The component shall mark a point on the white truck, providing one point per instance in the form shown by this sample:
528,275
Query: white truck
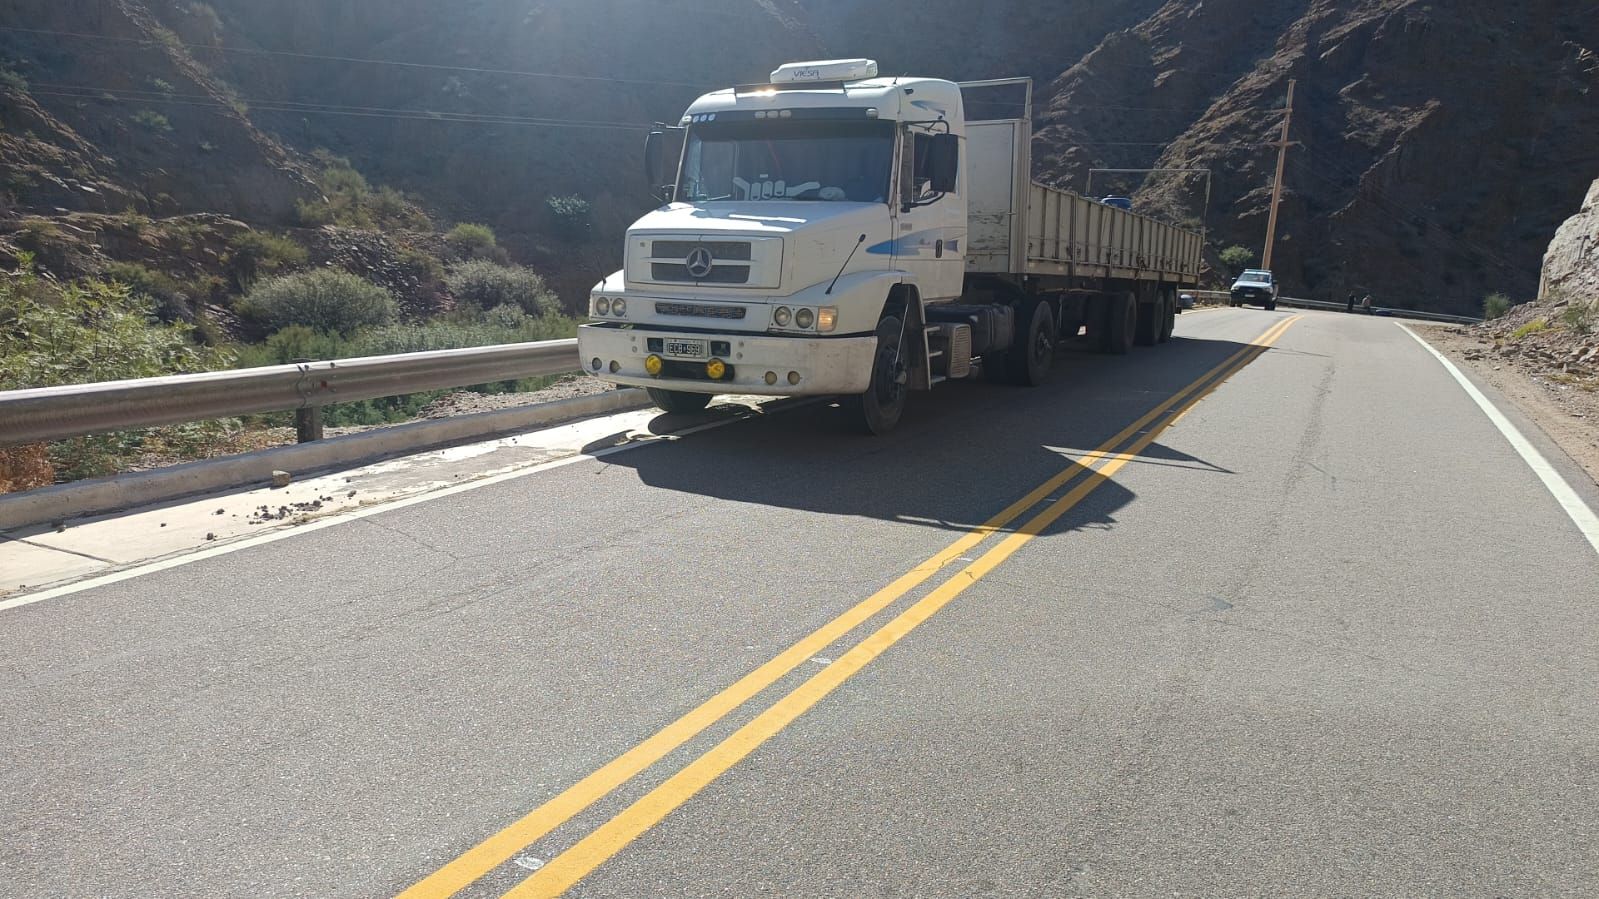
834,232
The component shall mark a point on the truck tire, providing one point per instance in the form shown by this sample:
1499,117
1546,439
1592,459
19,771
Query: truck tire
678,401
1271,305
878,410
1028,360
1121,321
1168,317
1146,330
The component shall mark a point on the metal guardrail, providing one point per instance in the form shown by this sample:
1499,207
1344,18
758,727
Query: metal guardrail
1224,296
78,410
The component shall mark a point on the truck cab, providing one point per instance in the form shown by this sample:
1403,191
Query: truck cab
798,207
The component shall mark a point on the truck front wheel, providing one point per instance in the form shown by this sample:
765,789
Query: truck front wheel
678,401
878,410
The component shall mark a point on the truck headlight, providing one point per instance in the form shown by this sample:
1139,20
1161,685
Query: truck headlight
781,316
804,318
602,306
826,318
619,307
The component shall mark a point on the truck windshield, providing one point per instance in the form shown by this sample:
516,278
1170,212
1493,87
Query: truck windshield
788,160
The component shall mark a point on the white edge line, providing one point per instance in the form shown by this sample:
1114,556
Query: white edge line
1582,516
186,558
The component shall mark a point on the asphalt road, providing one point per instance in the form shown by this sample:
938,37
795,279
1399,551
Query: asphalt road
1326,634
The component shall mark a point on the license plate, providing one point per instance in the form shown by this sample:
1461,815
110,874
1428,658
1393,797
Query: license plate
687,349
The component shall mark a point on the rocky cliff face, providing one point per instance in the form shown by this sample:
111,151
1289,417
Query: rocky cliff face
1571,266
1438,146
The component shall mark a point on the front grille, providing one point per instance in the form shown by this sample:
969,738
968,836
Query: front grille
730,250
719,274
699,310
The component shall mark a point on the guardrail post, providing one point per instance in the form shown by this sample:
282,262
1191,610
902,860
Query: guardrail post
308,423
307,419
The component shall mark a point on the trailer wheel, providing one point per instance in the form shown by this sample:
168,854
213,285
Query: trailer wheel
878,410
1168,318
1121,321
677,401
1028,361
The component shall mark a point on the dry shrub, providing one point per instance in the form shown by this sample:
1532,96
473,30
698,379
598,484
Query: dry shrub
24,468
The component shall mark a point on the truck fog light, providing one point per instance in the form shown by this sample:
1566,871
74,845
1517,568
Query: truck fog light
652,365
793,377
716,369
771,378
826,318
615,366
602,306
619,307
595,363
781,316
804,318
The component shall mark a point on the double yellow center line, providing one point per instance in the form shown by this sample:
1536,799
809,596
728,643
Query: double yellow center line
575,863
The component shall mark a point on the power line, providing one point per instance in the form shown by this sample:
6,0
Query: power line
356,112
150,42
1403,208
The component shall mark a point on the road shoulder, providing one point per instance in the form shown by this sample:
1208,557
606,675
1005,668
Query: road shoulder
1568,414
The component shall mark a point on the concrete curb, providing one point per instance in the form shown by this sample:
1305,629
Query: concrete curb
120,492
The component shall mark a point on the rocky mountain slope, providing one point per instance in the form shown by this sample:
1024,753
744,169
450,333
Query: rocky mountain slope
1439,146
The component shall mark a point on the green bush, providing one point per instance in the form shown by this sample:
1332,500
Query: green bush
1495,305
569,215
1530,328
485,285
93,331
13,80
472,240
152,120
349,200
422,266
256,254
96,331
166,296
327,300
1580,317
1236,259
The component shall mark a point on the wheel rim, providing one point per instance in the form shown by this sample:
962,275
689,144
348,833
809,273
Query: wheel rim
888,388
1043,345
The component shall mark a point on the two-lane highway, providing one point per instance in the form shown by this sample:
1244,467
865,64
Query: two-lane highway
1272,610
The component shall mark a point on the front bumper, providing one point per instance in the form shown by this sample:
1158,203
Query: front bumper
824,366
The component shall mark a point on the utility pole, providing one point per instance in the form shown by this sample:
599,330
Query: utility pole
1277,186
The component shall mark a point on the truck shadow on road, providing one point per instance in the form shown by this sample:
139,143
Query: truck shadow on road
961,454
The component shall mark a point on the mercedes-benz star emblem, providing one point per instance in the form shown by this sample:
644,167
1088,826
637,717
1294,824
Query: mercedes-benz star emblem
699,262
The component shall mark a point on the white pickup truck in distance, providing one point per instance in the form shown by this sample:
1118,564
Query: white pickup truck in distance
832,232
1255,286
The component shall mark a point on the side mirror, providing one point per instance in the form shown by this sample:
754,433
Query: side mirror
654,147
943,162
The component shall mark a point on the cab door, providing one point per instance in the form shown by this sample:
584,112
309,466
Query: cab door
929,228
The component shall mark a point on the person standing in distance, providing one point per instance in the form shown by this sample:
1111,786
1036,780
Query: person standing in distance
1351,307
